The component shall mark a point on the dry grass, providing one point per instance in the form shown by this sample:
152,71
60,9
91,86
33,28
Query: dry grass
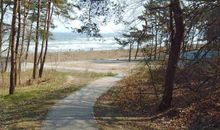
24,80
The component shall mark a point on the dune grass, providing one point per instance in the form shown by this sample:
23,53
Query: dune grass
29,105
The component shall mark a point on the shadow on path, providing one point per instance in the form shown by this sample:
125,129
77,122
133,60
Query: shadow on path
75,112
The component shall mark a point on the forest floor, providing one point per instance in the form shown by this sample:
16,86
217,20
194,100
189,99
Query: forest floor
132,104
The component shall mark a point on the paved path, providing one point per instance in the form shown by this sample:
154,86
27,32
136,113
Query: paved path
75,112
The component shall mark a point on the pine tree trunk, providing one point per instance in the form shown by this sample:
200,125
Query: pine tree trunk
35,68
13,42
138,47
50,13
29,40
130,49
1,27
8,54
3,11
173,55
156,40
18,39
22,42
40,60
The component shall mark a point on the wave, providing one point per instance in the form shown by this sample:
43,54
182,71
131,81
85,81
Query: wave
70,42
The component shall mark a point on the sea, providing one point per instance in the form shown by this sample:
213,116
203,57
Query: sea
69,41
64,42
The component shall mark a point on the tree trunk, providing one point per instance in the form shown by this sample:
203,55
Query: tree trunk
50,14
1,27
13,42
160,46
44,37
129,55
22,41
35,68
156,39
173,55
151,49
3,11
29,40
8,53
18,39
138,46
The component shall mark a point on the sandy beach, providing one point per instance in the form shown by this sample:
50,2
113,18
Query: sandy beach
86,55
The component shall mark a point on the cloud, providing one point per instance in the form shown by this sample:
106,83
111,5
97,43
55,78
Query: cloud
111,27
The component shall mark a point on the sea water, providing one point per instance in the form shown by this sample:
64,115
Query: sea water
60,42
68,41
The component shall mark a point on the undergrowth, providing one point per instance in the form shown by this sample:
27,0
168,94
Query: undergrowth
132,104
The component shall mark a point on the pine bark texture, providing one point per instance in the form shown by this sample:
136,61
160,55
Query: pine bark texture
176,42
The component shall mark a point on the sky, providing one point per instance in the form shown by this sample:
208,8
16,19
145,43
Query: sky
110,27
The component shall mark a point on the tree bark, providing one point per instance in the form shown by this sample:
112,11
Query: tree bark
44,37
35,68
29,39
8,54
138,47
173,54
26,10
18,39
156,39
3,11
1,26
13,42
129,53
50,14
